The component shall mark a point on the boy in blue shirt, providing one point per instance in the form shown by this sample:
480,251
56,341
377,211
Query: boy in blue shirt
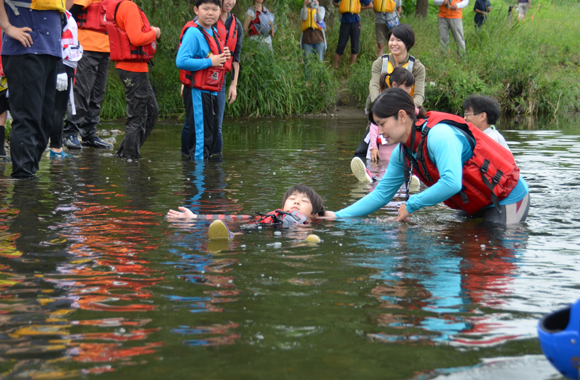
201,57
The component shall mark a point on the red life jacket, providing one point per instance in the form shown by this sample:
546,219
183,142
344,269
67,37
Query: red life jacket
253,31
93,17
208,79
229,38
488,176
283,218
121,47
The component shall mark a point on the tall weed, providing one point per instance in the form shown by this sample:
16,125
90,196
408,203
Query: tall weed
531,67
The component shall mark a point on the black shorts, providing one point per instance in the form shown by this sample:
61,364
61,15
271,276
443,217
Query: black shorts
3,102
346,31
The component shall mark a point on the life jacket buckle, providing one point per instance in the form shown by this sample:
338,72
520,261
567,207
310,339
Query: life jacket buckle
484,167
497,177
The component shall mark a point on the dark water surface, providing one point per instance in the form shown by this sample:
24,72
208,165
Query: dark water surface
94,280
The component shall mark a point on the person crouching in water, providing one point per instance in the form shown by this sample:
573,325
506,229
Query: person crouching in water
300,206
201,59
460,164
133,45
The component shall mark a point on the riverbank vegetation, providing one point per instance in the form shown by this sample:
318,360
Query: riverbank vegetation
531,67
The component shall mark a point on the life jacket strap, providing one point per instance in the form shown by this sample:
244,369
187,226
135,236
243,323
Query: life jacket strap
13,4
490,185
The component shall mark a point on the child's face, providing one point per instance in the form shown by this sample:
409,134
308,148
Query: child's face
299,202
207,14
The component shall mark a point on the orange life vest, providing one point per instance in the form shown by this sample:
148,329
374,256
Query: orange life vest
208,79
488,176
121,47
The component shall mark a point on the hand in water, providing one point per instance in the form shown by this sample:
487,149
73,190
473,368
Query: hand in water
183,215
403,214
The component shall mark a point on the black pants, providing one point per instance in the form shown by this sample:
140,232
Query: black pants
142,112
188,112
347,31
60,108
89,94
202,117
32,83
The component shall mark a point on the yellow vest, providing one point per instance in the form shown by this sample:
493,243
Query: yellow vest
388,68
39,5
310,21
384,6
349,6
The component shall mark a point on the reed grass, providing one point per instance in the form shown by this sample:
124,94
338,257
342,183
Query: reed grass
531,67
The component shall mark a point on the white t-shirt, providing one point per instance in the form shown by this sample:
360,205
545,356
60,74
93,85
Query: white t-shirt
498,137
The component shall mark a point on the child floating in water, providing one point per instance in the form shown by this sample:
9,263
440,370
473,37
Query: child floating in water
300,205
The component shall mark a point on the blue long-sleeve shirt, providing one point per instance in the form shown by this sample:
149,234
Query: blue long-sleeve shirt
448,149
194,51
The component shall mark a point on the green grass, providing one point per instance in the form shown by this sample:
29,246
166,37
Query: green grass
531,67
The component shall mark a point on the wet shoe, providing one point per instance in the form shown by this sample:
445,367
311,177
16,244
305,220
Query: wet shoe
360,171
219,230
5,158
59,155
72,142
95,142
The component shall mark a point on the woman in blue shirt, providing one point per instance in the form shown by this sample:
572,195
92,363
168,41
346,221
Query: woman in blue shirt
449,150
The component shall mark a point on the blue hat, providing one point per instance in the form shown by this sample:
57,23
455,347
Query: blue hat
559,335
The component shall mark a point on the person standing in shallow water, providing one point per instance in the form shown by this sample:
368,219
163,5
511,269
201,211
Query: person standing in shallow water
460,164
201,58
31,51
91,78
133,44
231,32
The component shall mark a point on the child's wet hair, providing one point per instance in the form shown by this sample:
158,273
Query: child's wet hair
315,199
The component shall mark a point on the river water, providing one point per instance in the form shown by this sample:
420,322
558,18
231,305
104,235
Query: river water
95,281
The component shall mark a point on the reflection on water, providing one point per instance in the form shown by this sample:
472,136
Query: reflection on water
94,280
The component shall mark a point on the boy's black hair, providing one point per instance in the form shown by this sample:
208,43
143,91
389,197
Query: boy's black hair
400,75
405,33
315,199
480,103
198,3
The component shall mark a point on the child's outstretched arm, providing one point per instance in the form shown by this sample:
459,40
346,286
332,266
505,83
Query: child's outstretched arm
184,214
